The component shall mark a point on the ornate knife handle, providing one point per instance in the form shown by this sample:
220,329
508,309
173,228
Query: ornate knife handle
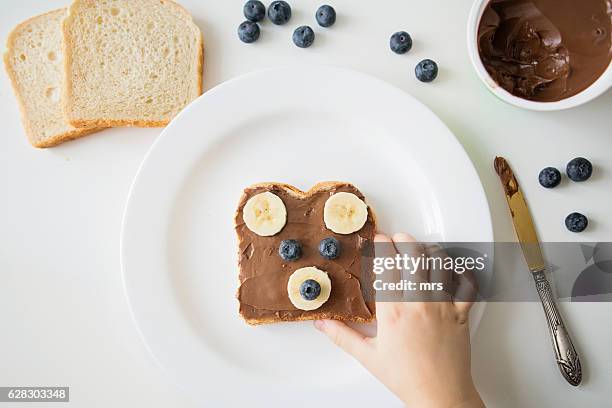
567,358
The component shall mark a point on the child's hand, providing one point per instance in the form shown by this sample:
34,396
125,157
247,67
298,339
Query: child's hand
422,349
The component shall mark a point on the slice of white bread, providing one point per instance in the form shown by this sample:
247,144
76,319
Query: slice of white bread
130,62
34,62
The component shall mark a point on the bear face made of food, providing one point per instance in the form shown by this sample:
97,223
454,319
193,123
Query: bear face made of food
305,255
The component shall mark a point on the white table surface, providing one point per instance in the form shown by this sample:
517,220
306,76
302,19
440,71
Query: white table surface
63,313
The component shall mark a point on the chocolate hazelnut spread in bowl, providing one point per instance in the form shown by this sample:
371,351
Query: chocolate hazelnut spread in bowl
542,54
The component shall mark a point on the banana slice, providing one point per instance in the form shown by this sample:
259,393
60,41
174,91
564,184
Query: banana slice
265,214
345,213
300,288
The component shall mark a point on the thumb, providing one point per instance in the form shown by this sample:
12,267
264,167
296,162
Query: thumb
348,339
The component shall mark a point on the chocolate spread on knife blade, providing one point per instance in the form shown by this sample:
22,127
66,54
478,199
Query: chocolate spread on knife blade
546,50
506,176
264,274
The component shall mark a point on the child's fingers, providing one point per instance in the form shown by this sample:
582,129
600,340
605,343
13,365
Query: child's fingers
408,246
438,274
466,292
385,298
348,339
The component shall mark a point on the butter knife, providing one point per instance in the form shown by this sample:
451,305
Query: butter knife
565,353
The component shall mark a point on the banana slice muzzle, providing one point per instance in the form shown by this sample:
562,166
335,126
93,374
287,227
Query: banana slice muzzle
265,214
345,213
308,288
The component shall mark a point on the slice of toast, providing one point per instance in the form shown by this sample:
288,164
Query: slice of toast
34,62
130,62
264,274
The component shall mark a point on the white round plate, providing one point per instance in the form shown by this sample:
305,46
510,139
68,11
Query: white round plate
298,126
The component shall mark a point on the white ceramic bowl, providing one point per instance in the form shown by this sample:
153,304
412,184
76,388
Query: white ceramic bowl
597,88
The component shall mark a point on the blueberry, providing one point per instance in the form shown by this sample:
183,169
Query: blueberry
400,42
290,250
329,248
426,70
326,16
279,12
576,222
310,289
579,169
254,10
303,36
549,177
248,31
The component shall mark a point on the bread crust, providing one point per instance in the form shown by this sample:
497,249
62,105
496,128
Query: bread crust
66,137
318,316
297,193
105,122
51,140
109,123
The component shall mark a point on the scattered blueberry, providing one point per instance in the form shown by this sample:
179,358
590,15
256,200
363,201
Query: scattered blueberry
329,248
279,12
400,42
579,169
254,10
310,289
550,177
426,70
303,36
576,222
290,250
248,31
326,16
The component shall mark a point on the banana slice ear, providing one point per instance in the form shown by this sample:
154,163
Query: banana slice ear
345,213
265,214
